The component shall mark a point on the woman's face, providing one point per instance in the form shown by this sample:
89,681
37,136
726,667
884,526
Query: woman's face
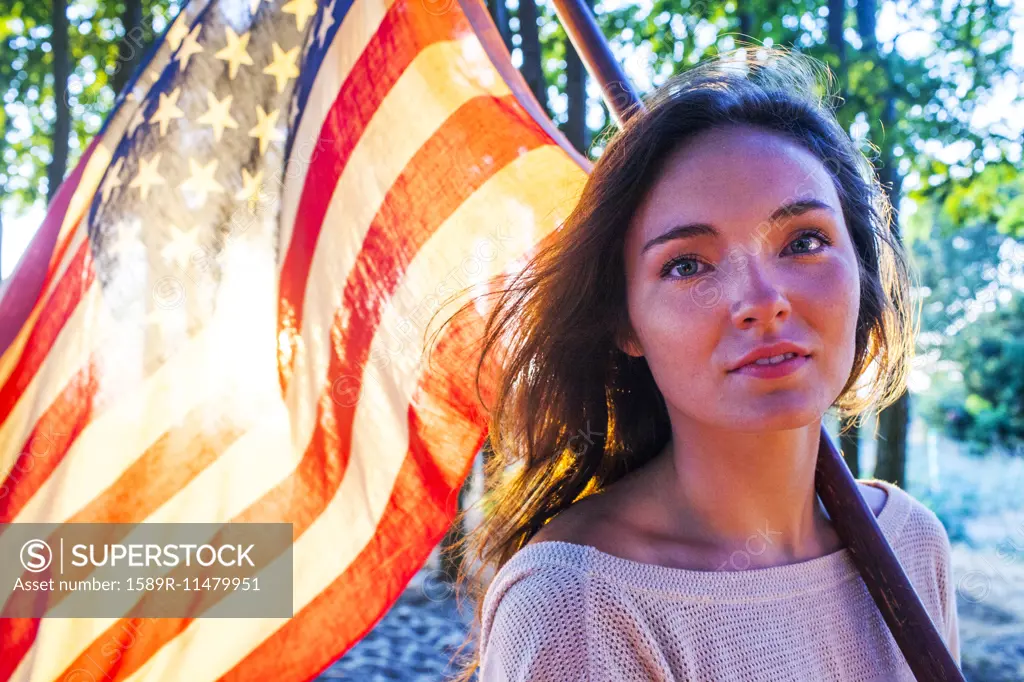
718,268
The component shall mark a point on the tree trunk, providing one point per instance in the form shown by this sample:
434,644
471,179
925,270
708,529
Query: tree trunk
62,125
849,444
531,69
746,17
892,441
866,12
849,441
893,422
132,45
836,41
576,93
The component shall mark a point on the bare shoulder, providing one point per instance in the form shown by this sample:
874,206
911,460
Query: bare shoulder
600,519
578,524
874,496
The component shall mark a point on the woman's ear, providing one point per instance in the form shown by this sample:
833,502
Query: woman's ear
629,345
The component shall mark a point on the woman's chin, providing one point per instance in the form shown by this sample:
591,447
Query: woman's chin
775,418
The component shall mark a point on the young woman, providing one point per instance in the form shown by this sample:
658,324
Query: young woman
728,275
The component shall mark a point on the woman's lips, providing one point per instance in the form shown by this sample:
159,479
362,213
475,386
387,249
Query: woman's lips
784,368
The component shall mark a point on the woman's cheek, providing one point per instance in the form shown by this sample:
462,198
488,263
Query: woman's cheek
677,334
677,308
843,287
705,293
838,303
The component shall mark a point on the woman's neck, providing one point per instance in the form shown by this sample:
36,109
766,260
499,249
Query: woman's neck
742,495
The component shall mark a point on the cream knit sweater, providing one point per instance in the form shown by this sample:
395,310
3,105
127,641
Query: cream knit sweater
559,611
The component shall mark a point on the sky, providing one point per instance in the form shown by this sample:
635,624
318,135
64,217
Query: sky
1005,104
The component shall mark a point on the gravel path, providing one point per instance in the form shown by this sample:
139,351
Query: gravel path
990,604
414,642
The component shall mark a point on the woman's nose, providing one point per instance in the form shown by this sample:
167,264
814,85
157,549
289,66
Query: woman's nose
757,298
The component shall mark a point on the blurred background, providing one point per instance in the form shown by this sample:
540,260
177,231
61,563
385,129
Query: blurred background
932,91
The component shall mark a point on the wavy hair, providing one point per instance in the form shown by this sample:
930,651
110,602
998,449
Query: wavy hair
572,413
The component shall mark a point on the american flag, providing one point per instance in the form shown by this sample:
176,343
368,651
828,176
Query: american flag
224,316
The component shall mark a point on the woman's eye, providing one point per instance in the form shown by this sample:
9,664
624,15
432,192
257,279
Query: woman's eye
800,242
682,267
687,267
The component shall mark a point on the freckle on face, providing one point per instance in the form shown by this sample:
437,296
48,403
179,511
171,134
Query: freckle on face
751,286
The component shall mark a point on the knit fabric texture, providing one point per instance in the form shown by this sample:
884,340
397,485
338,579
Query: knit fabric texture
563,611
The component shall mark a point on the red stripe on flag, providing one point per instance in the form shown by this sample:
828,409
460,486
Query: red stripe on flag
55,313
479,17
468,149
35,268
406,29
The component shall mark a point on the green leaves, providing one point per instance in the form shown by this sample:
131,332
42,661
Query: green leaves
26,84
972,328
993,197
911,100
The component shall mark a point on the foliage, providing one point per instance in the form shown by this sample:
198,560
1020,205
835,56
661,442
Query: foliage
972,491
993,196
25,75
989,409
97,48
972,330
933,92
954,506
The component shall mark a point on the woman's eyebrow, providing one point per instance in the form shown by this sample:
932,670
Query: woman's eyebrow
787,210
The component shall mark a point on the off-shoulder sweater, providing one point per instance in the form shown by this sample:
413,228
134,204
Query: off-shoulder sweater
560,611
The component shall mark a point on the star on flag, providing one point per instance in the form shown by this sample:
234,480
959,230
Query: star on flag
167,110
234,53
283,68
148,176
218,115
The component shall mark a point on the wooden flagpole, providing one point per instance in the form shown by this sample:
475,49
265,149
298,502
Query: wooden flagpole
596,55
901,607
888,584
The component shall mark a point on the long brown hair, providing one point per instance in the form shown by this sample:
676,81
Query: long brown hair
572,413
